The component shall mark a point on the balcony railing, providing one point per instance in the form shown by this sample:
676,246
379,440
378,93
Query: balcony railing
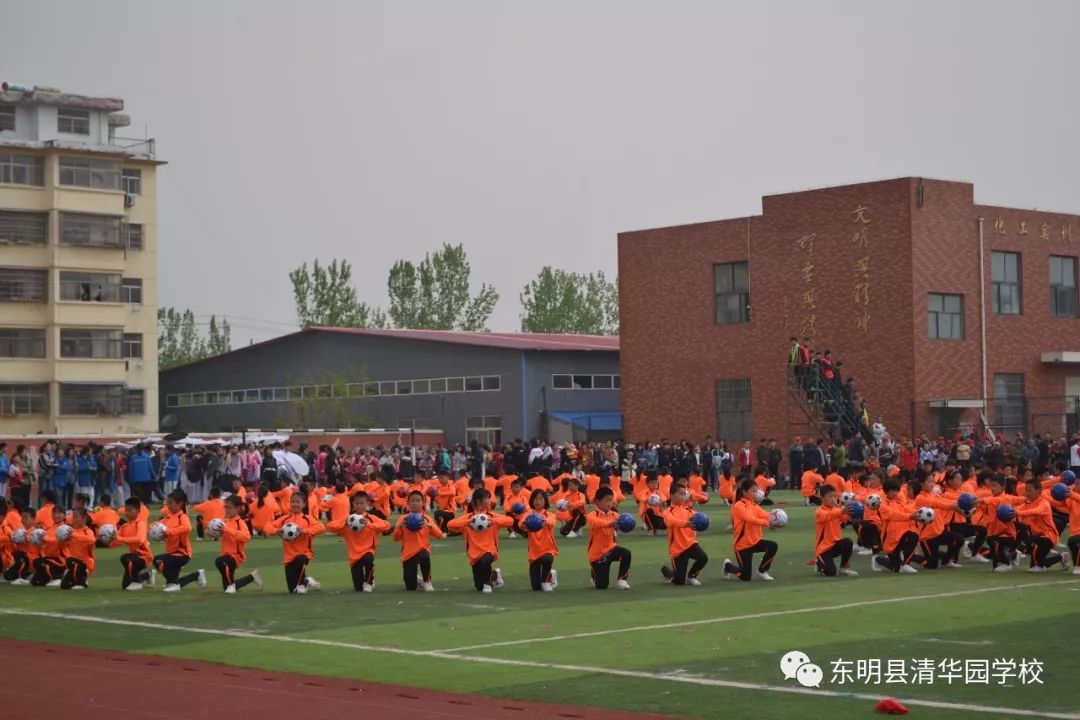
135,146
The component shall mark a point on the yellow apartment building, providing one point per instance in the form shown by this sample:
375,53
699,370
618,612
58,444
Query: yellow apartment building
78,266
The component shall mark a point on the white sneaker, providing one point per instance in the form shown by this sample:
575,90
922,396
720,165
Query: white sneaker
1076,570
952,565
592,581
863,551
498,578
982,560
554,578
134,587
300,590
427,587
966,551
875,565
172,587
1003,568
908,570
53,583
1036,569
256,579
78,587
546,587
231,590
513,535
367,587
572,534
486,589
153,577
724,574
693,581
848,572
622,584
21,582
313,584
765,576
201,579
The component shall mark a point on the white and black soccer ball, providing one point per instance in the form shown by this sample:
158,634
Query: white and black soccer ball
480,522
327,498
873,501
925,515
215,527
107,533
562,506
37,537
759,495
289,531
778,518
655,500
157,531
63,532
18,536
356,522
846,497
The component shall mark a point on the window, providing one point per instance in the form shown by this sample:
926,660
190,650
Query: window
89,172
585,382
485,429
24,228
281,394
734,416
131,290
371,389
76,122
18,343
22,169
946,316
296,393
23,285
421,387
96,344
1010,403
1062,286
89,287
183,400
404,387
455,385
132,345
414,423
473,384
616,381
90,230
133,236
1005,274
492,382
582,382
438,385
562,382
79,399
135,402
7,117
172,400
24,399
266,395
387,388
251,395
732,282
131,181
602,382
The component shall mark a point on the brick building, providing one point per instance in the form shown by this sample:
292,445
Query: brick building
885,274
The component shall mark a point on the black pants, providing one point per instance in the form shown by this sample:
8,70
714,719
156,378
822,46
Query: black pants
1061,521
576,521
144,491
420,561
901,554
363,571
226,565
826,561
296,572
653,521
977,533
869,536
1002,549
601,568
170,565
20,567
931,548
76,573
689,563
746,559
200,527
134,570
1040,548
482,574
540,570
442,517
1074,549
46,570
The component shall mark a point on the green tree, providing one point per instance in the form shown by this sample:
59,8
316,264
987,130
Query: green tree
557,301
179,340
435,293
325,296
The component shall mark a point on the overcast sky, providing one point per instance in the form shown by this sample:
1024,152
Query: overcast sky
533,133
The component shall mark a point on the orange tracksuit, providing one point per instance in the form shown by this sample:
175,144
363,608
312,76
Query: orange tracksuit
302,546
810,482
262,518
234,538
826,529
542,542
480,542
601,533
337,507
727,488
212,509
44,516
522,496
359,544
414,542
80,546
681,537
105,516
896,521
539,482
576,501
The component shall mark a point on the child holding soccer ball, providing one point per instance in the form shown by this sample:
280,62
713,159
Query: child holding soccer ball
415,538
539,524
361,531
481,530
687,557
234,533
748,520
603,550
297,530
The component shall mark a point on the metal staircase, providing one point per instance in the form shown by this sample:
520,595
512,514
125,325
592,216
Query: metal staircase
819,406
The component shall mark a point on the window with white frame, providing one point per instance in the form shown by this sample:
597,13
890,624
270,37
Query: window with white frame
1063,286
75,122
23,228
93,344
92,399
133,236
484,429
24,399
87,230
133,345
22,169
22,343
7,117
131,181
131,290
584,382
89,172
90,287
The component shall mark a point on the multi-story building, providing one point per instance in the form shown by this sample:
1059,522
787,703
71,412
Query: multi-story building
946,313
78,266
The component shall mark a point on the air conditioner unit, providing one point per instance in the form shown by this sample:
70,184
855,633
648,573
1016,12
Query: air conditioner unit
129,200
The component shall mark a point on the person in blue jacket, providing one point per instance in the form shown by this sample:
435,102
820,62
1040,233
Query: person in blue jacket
63,483
141,474
171,473
86,472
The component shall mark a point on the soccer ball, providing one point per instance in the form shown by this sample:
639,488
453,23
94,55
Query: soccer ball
1060,491
925,515
215,527
759,495
356,522
37,537
480,522
655,500
854,509
936,490
327,498
403,493
699,521
63,532
289,531
562,506
433,492
18,536
1068,477
625,523
533,522
517,508
873,501
415,521
157,531
846,497
778,518
966,502
1006,513
106,533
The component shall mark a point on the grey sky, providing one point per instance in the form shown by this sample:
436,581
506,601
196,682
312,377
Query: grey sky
533,133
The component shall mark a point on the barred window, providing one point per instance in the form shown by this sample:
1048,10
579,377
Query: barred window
22,343
1010,403
23,285
91,230
734,416
89,172
94,344
76,122
89,287
22,169
135,402
92,399
24,228
24,399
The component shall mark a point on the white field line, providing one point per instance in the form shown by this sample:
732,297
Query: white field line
755,616
637,674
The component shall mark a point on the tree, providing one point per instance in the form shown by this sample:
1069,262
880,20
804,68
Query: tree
558,301
325,296
179,340
435,295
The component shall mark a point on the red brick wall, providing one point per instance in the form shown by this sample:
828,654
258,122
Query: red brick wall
672,352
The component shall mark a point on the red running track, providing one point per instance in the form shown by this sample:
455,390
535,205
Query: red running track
60,681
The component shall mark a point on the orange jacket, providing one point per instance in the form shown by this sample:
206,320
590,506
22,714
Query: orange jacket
337,507
234,538
994,526
53,549
642,496
104,516
303,545
1071,507
480,542
943,510
680,536
212,509
521,497
826,528
379,495
359,544
810,481
44,516
1039,519
539,482
413,542
592,484
178,535
747,520
727,487
576,500
836,481
542,542
262,518
665,483
80,546
133,535
447,496
896,521
601,533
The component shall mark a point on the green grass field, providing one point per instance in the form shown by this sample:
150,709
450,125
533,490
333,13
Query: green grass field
699,664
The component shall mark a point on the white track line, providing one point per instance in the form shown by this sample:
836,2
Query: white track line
637,674
754,616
